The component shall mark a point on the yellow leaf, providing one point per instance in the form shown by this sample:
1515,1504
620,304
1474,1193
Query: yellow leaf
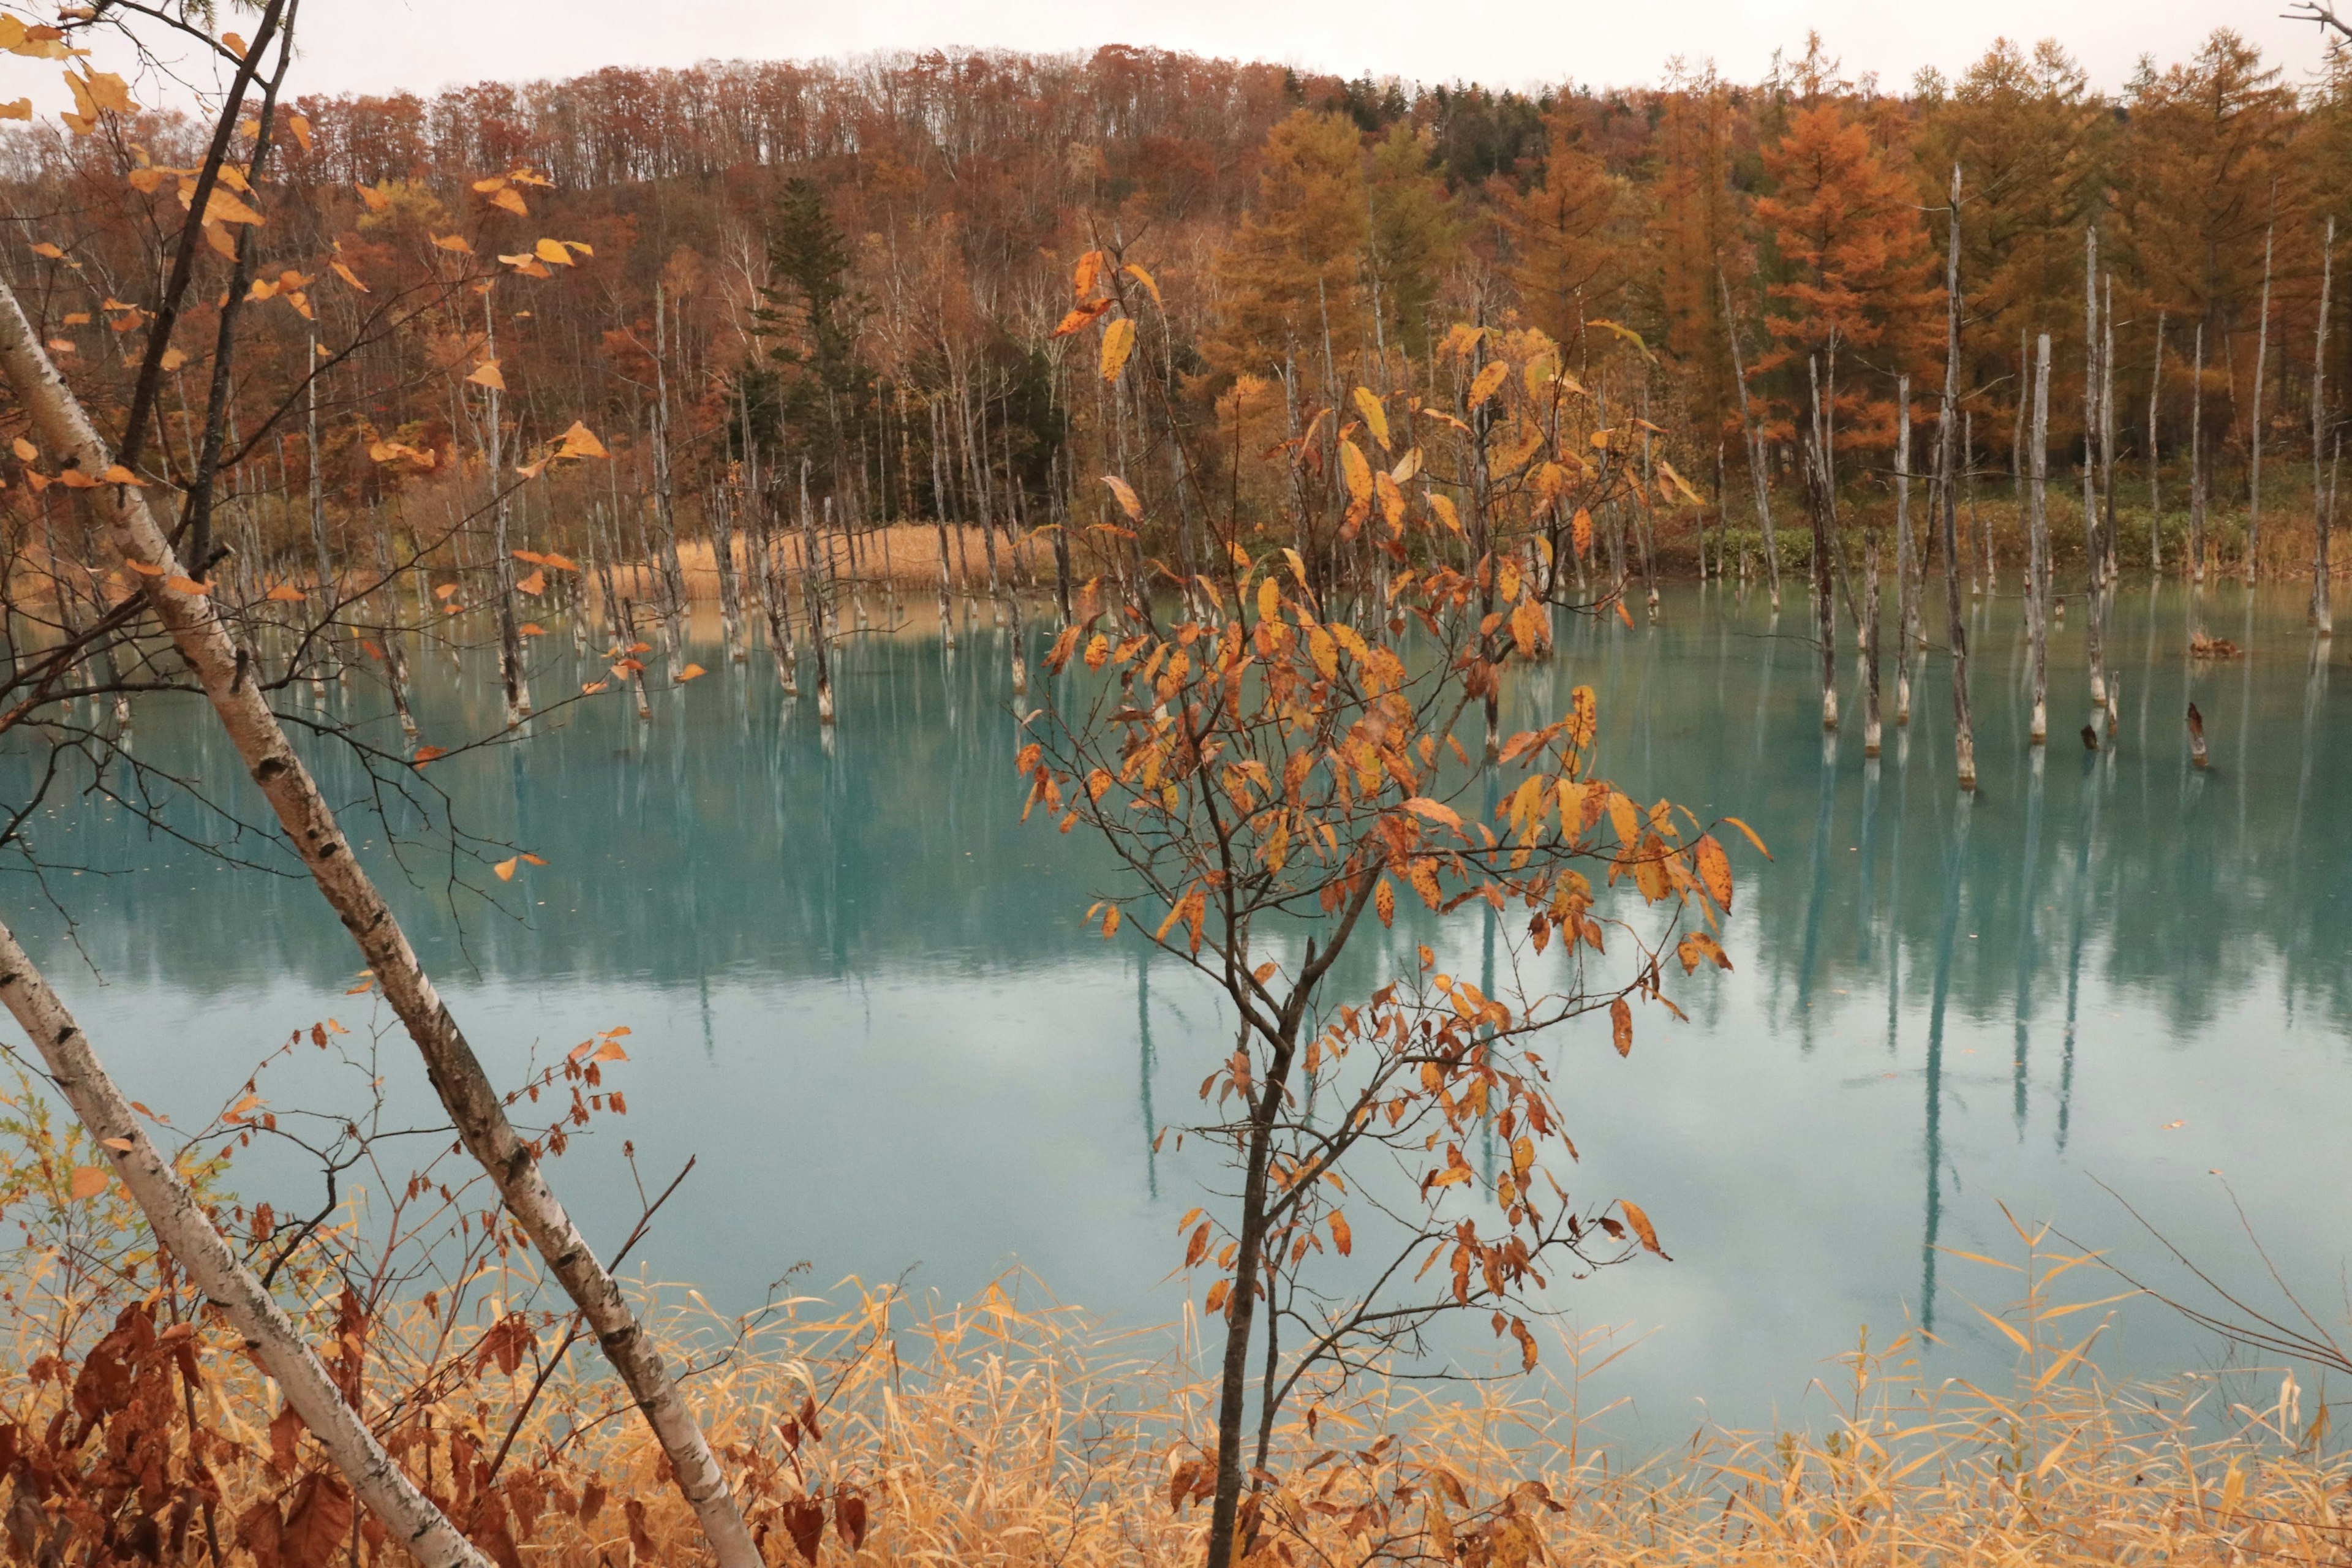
347,275
1140,276
112,93
456,242
580,442
506,869
1714,869
288,593
223,206
50,250
1679,483
20,109
24,450
376,198
1376,418
1357,470
511,200
1434,811
300,126
1641,1225
486,374
553,250
1129,502
188,586
689,672
1621,1026
234,43
88,1182
535,584
1751,836
174,358
1489,380
1118,341
116,474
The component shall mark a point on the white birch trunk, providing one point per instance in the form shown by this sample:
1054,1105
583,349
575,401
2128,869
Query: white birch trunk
181,1226
475,1107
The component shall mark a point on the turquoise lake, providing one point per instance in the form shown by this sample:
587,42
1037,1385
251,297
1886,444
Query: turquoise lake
861,995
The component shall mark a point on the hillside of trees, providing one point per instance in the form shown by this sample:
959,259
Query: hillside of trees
861,268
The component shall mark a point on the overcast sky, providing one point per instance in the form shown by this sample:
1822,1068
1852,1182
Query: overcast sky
382,46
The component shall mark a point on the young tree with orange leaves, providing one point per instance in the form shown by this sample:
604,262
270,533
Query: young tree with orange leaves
1274,776
1850,272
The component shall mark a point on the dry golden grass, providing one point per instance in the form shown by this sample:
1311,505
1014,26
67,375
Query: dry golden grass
904,555
1016,1432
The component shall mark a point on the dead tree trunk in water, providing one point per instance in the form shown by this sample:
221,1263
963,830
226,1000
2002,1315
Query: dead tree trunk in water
2155,504
1964,739
1906,598
2262,358
2321,618
812,605
2197,464
2037,569
2094,554
1821,492
1754,435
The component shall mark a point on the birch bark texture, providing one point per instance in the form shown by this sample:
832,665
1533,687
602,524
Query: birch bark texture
465,1089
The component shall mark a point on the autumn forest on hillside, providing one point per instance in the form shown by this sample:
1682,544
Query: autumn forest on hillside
1293,574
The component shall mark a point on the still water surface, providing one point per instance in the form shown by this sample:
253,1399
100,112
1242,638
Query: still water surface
861,995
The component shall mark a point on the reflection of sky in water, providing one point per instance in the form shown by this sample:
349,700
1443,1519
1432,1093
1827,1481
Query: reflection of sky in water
860,993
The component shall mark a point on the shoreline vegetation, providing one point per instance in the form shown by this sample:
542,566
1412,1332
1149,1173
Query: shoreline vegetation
1014,1430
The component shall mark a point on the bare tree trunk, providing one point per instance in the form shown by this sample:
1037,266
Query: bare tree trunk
473,1103
730,594
1755,442
1964,737
2321,616
673,576
2155,503
1868,639
2320,608
513,684
2262,357
1823,486
1906,597
2197,464
180,1226
2093,554
940,517
319,520
2038,561
812,603
395,650
2107,433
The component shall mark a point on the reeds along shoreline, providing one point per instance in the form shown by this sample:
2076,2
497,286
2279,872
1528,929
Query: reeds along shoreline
1012,1430
904,557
